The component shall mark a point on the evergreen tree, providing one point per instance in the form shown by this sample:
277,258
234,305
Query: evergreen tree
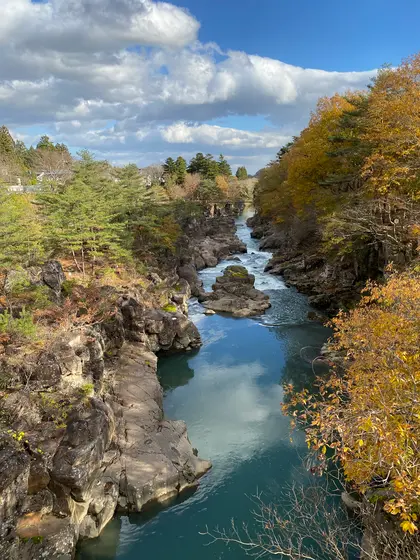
45,143
180,170
242,173
224,167
197,164
80,218
20,231
211,167
7,144
169,167
208,191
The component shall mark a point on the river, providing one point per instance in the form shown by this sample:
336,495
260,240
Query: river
229,393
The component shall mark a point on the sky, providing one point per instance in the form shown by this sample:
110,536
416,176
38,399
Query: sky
139,81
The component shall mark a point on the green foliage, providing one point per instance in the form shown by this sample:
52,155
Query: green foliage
205,166
208,192
224,167
241,173
67,287
20,230
80,219
54,408
7,144
180,170
22,327
45,143
170,308
87,389
169,166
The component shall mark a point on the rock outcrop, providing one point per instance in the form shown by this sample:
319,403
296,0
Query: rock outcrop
88,436
205,244
331,282
234,293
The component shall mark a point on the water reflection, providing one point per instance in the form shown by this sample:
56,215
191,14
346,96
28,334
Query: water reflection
229,394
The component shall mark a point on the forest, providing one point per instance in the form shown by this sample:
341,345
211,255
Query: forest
107,224
349,187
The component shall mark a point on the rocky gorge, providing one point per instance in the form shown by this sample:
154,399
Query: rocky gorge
104,445
331,282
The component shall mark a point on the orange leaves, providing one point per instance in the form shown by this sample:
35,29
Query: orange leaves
393,130
372,421
222,183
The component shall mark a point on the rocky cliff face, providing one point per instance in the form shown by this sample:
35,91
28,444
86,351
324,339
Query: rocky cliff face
331,281
205,243
110,450
87,432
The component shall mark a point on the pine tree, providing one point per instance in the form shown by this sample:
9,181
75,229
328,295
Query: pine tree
242,173
180,170
7,144
224,167
80,217
197,164
169,166
45,143
21,232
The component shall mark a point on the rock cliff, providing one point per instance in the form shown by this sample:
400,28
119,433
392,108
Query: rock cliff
86,432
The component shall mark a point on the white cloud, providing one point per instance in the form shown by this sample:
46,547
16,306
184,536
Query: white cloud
92,25
75,66
211,135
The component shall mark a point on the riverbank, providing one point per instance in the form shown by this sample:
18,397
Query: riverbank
229,394
331,284
85,435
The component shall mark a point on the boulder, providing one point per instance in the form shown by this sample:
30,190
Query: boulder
189,273
14,473
53,276
234,293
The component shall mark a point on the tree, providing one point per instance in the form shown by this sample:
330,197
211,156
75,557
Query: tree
241,173
11,162
366,416
21,233
80,218
222,184
224,167
208,192
7,144
169,167
180,170
45,143
197,164
204,165
393,130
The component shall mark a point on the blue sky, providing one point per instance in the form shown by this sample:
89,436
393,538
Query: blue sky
327,34
138,80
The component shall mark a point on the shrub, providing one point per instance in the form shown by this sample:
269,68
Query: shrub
20,327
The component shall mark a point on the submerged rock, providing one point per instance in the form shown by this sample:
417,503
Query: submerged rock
234,293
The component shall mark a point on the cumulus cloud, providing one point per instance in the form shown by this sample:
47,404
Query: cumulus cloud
211,135
132,72
92,25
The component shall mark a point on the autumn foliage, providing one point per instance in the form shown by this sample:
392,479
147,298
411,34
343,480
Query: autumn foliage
354,175
367,414
358,158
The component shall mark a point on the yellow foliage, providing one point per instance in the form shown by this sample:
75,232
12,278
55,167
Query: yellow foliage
393,130
222,183
370,414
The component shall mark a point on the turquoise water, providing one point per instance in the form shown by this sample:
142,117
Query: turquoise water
229,393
